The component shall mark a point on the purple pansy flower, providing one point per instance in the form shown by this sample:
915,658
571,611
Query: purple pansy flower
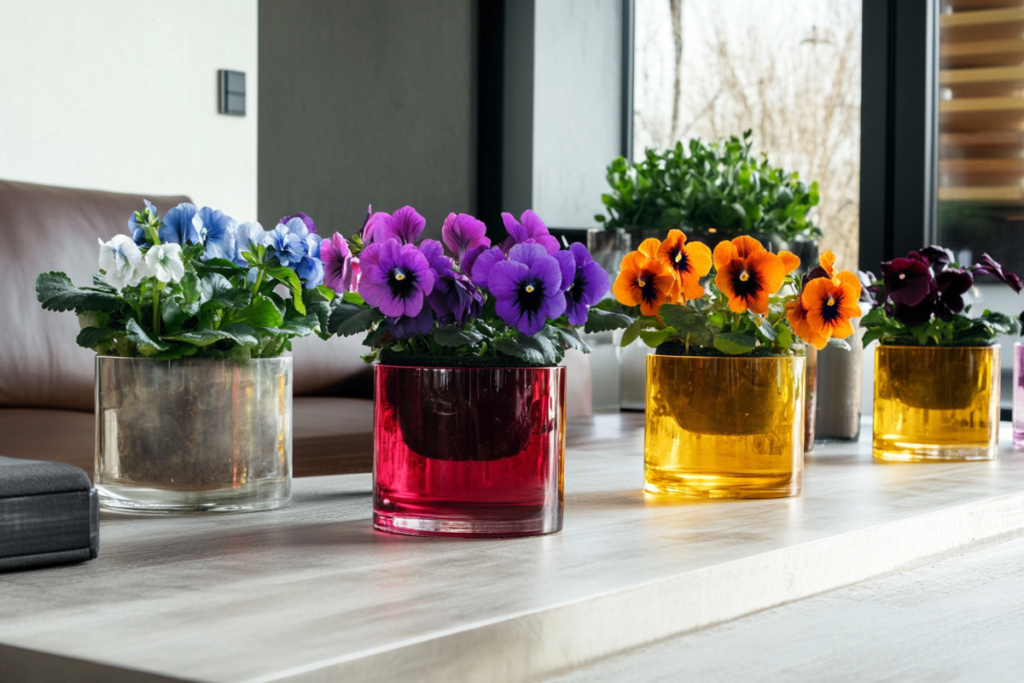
218,233
531,229
952,283
908,280
405,225
988,266
395,278
405,326
306,220
455,299
463,232
587,286
339,273
467,261
527,288
182,225
482,265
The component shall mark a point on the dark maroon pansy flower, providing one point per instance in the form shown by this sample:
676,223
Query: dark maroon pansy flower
908,280
952,283
988,266
938,257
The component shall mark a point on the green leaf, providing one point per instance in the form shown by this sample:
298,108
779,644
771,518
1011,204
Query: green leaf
359,321
534,350
206,337
95,338
735,343
190,290
451,336
216,288
138,336
260,313
655,338
56,292
353,298
174,315
605,321
290,279
177,351
566,337
300,327
326,292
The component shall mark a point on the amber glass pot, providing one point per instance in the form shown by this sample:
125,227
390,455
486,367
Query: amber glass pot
936,403
724,427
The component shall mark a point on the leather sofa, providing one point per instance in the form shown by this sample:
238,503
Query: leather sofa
46,380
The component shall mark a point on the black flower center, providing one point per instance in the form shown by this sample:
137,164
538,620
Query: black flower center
680,261
648,292
579,285
530,296
830,309
745,282
401,282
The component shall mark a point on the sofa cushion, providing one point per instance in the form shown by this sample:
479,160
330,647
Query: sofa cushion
329,435
44,229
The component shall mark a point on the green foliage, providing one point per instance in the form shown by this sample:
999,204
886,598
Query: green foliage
961,330
720,185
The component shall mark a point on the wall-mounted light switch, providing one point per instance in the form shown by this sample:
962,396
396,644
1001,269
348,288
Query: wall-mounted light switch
232,92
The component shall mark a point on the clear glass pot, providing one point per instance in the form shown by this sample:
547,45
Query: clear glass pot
936,403
1018,395
468,451
193,435
724,427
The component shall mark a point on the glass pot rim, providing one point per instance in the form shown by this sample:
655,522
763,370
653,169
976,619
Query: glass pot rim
193,360
471,368
729,358
941,348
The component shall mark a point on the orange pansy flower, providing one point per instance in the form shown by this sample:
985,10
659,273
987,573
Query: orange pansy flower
796,314
827,261
649,247
688,262
747,274
643,281
830,304
790,261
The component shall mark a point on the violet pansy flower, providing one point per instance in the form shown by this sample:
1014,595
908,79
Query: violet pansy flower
988,266
182,225
482,265
530,229
908,280
527,288
339,273
405,225
454,299
218,234
588,285
395,278
406,326
462,232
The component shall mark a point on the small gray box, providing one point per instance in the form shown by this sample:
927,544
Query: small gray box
231,86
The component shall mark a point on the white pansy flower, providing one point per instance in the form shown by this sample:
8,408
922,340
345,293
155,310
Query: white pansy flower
164,262
121,261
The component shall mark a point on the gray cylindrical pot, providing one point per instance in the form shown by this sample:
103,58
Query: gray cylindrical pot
839,389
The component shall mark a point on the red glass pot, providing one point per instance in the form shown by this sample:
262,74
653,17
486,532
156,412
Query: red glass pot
468,451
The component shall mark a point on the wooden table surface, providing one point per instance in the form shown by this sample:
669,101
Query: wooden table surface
312,593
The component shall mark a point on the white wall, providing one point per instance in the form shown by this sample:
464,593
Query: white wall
577,115
121,95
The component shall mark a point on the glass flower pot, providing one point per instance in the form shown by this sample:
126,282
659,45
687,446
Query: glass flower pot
193,435
1018,395
468,451
724,427
936,403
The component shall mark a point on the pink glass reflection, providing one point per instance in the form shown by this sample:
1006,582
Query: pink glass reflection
1018,395
468,451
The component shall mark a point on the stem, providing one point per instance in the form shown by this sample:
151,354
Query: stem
156,308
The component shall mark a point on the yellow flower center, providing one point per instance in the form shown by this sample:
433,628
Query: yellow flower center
679,257
831,301
744,276
641,283
903,276
529,289
399,276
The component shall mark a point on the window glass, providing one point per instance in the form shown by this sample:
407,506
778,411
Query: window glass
789,70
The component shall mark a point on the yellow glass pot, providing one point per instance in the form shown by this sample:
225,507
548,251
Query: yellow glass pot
936,403
724,427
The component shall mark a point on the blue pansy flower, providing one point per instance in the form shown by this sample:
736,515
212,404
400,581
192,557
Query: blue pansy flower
247,237
182,225
135,229
218,234
289,247
311,270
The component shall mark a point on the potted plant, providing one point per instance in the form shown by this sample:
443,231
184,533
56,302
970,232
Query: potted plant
469,423
193,391
936,368
725,386
713,191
